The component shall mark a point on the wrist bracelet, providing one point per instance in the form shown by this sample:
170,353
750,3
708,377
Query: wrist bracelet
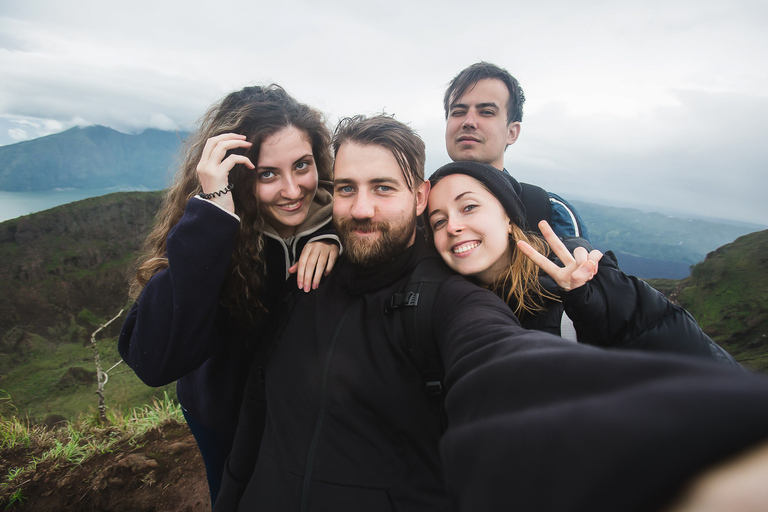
221,192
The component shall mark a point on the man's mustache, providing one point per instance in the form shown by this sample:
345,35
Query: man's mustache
363,225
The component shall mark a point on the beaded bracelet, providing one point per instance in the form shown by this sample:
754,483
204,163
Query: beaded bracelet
221,192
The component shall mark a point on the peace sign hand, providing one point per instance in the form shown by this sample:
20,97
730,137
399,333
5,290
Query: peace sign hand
214,166
579,268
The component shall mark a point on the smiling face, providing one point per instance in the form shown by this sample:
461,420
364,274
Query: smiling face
470,228
374,210
286,180
476,128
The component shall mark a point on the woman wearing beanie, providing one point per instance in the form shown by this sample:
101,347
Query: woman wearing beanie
477,223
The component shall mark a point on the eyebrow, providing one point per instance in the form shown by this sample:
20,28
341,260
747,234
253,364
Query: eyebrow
273,168
433,212
487,104
375,181
437,210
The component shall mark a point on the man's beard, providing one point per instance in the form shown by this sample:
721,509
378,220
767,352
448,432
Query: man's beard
394,238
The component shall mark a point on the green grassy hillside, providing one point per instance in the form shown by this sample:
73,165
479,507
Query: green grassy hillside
64,272
728,294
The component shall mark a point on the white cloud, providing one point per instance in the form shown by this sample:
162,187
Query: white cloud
17,134
647,101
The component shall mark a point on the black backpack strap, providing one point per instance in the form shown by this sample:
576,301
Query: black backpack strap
537,206
415,305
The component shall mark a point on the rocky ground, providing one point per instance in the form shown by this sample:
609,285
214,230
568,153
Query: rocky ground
161,472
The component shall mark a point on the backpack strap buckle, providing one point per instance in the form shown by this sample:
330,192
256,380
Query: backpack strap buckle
434,388
402,300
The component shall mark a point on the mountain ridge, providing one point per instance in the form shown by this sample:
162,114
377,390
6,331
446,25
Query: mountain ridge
90,157
657,245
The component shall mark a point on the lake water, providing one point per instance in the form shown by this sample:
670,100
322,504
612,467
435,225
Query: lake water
16,204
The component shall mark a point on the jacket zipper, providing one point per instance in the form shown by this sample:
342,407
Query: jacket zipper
321,415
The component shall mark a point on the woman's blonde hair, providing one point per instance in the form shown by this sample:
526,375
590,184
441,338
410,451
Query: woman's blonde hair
520,283
256,112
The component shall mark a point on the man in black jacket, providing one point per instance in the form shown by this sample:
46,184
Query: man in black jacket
534,423
483,117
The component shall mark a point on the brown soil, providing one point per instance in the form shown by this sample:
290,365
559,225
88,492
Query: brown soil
163,471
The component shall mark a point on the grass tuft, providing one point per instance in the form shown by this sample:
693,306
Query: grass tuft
76,441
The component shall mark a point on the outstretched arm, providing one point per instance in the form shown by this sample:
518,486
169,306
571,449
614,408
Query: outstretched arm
537,423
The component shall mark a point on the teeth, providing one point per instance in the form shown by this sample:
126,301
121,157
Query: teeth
466,247
292,205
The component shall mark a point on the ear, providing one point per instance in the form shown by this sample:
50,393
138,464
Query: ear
513,132
510,225
422,195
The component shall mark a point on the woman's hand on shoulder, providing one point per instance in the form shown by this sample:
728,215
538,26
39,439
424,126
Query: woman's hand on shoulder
317,260
214,166
579,268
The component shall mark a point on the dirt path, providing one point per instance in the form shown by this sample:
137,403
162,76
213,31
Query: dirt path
163,472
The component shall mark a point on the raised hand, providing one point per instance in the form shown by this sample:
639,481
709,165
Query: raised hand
214,166
317,260
579,268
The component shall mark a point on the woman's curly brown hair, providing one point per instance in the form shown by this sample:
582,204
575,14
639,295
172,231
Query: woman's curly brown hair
256,112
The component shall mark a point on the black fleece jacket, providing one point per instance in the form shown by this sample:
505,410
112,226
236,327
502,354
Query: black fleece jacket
534,422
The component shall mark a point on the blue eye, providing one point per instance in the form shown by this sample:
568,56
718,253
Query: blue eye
437,224
265,175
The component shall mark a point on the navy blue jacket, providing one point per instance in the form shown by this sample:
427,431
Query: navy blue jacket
179,331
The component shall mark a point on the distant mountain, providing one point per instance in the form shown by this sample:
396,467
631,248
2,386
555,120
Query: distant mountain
727,293
90,158
654,245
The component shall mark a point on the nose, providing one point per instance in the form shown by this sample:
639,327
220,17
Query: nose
291,188
470,122
362,207
453,226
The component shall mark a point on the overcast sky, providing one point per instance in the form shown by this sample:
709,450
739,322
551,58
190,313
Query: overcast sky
659,104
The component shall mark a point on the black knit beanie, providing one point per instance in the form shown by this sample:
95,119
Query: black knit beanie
503,186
